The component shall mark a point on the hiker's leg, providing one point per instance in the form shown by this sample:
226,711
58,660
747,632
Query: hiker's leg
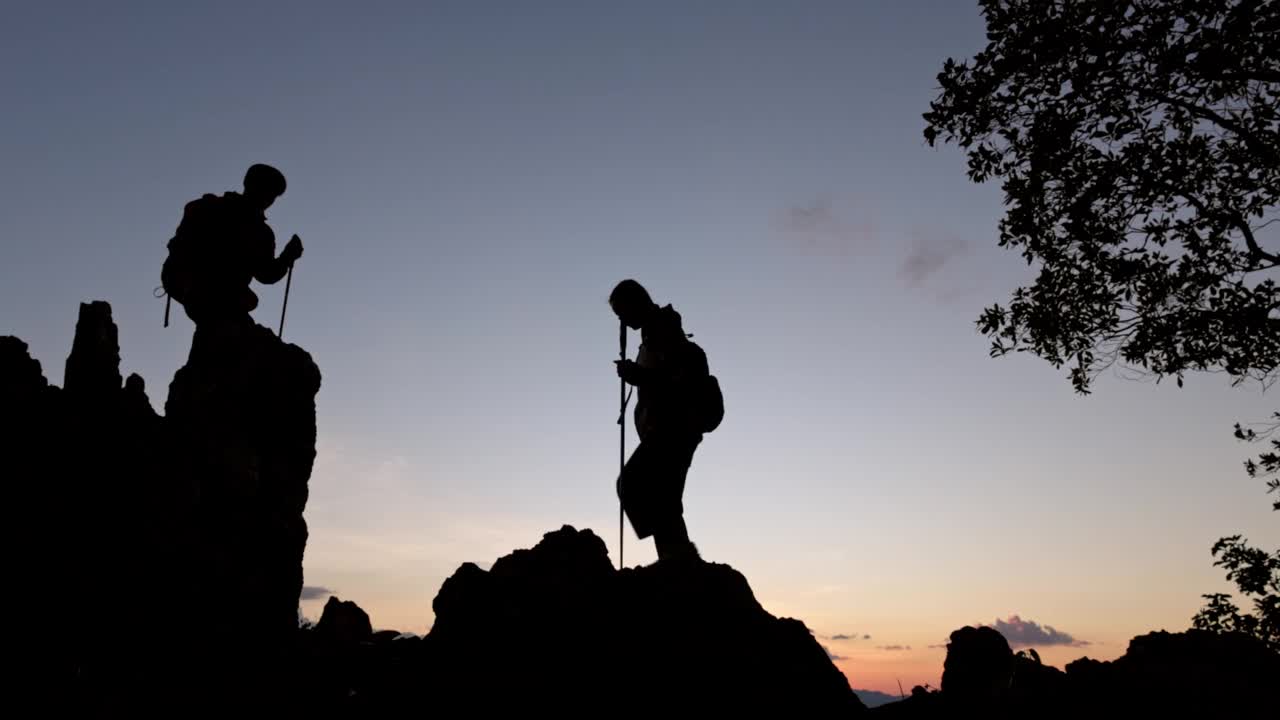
673,543
672,540
671,537
635,490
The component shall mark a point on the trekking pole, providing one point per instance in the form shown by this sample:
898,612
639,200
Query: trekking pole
622,433
288,281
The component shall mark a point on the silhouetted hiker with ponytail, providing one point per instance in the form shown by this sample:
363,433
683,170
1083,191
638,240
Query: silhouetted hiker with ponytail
678,402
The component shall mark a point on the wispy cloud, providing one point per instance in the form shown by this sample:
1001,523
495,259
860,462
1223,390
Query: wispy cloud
816,227
813,218
1025,633
927,256
893,648
315,592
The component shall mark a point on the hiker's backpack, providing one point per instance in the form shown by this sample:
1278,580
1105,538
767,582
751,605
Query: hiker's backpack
711,404
196,235
708,400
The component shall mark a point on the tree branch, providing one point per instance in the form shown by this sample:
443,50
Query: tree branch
1259,268
1205,113
1249,74
1255,251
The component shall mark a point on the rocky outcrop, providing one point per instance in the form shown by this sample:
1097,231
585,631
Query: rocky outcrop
87,493
1196,672
243,411
184,536
38,601
979,665
93,367
159,566
556,628
21,379
161,547
343,623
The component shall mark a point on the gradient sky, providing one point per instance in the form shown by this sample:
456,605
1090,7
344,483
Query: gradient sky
471,179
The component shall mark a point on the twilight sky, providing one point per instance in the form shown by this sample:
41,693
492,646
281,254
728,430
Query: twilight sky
470,180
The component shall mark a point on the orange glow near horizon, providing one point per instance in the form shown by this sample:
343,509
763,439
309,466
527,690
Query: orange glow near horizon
883,671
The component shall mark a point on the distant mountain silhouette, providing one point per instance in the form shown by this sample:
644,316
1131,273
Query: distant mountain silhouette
1188,674
875,698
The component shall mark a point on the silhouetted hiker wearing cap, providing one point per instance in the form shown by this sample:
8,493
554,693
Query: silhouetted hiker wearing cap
222,244
678,402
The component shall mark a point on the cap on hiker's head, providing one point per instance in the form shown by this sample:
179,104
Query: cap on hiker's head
264,179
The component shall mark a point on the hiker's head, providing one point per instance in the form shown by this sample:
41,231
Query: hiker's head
263,184
631,303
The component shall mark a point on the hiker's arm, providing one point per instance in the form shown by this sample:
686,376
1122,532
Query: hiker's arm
680,363
270,272
272,269
635,374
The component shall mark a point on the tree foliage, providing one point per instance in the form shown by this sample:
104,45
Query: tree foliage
1137,143
1267,464
1257,576
1138,146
